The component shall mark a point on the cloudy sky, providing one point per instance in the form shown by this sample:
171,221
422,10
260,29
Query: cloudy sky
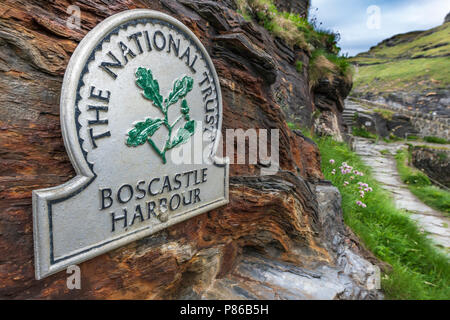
364,23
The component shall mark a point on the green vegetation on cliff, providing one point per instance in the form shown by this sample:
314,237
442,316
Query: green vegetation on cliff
418,270
412,61
296,30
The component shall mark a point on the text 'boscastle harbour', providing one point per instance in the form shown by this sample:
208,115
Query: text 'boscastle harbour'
152,198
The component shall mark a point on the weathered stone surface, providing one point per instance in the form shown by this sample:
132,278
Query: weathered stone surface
329,124
296,6
329,92
398,124
275,217
401,126
372,122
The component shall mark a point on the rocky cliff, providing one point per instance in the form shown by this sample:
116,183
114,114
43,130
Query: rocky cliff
281,236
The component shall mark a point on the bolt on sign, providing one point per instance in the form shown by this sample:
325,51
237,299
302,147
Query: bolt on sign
139,90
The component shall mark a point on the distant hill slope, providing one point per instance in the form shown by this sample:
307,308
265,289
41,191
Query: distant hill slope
410,69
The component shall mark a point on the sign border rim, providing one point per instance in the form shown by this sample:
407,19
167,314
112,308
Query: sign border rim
42,199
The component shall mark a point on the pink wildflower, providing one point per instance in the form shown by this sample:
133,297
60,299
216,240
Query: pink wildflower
361,204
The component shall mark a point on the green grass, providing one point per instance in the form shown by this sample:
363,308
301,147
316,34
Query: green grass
418,270
340,61
361,132
296,31
404,74
299,66
386,114
292,28
420,185
436,140
442,156
392,138
427,146
432,43
412,138
293,126
412,62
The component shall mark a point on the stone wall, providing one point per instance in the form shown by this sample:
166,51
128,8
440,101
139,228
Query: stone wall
276,217
434,162
424,124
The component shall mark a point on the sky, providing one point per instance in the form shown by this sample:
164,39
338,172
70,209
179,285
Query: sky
364,23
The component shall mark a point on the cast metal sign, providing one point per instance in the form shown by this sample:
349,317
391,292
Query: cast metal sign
140,94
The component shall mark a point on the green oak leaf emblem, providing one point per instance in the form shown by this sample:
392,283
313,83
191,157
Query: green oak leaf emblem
144,130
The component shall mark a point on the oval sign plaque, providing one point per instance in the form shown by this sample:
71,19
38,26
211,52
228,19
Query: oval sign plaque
141,115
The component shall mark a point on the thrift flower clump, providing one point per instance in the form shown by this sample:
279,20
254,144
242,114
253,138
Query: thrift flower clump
360,187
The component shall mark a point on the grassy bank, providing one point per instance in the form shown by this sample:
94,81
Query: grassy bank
418,270
403,75
407,62
421,186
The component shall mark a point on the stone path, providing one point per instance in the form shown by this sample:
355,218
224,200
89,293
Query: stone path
385,171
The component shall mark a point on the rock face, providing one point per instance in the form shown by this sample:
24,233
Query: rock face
434,162
289,224
398,121
329,92
296,6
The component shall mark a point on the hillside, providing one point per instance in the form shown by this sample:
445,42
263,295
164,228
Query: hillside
409,69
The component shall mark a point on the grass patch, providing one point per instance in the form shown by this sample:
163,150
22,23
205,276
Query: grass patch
442,156
292,28
425,146
296,31
394,75
419,271
410,62
412,138
420,185
435,140
318,67
386,114
392,138
433,196
293,126
412,45
361,132
299,66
